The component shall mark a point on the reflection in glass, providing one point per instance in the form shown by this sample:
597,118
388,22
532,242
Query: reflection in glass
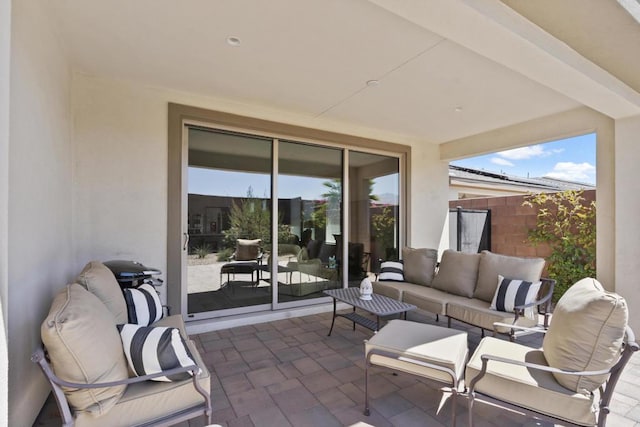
309,204
374,182
229,220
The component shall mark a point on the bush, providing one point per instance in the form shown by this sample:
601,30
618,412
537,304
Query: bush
225,254
567,223
202,251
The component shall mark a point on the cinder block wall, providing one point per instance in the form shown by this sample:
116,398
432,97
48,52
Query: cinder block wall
510,223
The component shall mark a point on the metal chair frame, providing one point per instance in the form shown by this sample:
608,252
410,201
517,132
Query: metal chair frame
204,409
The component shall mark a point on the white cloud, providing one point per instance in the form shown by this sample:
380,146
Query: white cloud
525,153
502,162
569,171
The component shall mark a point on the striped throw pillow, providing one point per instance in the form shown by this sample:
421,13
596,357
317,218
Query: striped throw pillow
511,293
391,271
150,350
143,305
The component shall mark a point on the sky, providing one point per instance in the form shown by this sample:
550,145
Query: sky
235,184
571,159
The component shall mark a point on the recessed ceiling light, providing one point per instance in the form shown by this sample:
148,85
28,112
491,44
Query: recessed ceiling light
373,82
233,41
458,109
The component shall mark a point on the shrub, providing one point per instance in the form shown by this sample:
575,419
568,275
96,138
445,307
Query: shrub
567,223
202,250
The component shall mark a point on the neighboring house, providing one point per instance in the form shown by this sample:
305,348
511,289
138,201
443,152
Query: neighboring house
468,183
99,101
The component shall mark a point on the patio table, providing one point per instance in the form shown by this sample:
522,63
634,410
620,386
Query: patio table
379,305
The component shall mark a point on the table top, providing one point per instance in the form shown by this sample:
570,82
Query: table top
378,304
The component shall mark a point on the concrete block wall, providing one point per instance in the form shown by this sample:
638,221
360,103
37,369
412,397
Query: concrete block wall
510,223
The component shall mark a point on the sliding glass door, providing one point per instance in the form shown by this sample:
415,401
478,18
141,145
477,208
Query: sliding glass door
374,195
271,223
310,220
229,220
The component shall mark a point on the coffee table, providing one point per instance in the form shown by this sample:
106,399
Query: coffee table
379,305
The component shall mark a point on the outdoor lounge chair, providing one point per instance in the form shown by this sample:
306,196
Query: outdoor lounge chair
572,377
246,259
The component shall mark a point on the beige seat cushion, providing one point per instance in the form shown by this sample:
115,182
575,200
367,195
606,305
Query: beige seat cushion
101,282
533,389
84,345
477,312
429,299
586,333
432,344
491,265
458,273
149,400
393,290
419,265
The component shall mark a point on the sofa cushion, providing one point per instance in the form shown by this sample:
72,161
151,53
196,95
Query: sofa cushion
491,265
512,292
150,350
101,282
145,402
392,271
477,312
419,265
526,387
586,333
143,305
392,289
457,273
429,299
84,346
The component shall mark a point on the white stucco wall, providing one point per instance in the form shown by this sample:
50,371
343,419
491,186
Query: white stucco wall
40,205
5,61
430,198
120,137
627,243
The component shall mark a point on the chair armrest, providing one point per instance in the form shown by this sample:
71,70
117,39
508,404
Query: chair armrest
545,298
489,357
519,327
39,358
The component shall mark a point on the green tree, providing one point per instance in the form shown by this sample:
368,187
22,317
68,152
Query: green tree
384,227
250,218
567,223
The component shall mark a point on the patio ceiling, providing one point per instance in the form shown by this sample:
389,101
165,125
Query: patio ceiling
445,69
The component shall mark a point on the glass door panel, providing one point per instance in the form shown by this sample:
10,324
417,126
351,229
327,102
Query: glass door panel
310,219
374,195
229,220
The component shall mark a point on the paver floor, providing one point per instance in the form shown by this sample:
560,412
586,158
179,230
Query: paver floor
290,373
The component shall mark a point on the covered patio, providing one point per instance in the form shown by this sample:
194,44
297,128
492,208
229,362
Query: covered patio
89,159
290,373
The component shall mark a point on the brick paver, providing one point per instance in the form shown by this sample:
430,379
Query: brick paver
290,373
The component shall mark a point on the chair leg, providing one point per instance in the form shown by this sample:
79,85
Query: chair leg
448,322
366,390
471,395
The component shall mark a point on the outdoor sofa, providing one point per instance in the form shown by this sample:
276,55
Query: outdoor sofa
463,287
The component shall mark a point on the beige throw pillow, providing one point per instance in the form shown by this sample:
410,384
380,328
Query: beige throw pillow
100,281
84,346
585,334
247,250
419,265
457,273
491,265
